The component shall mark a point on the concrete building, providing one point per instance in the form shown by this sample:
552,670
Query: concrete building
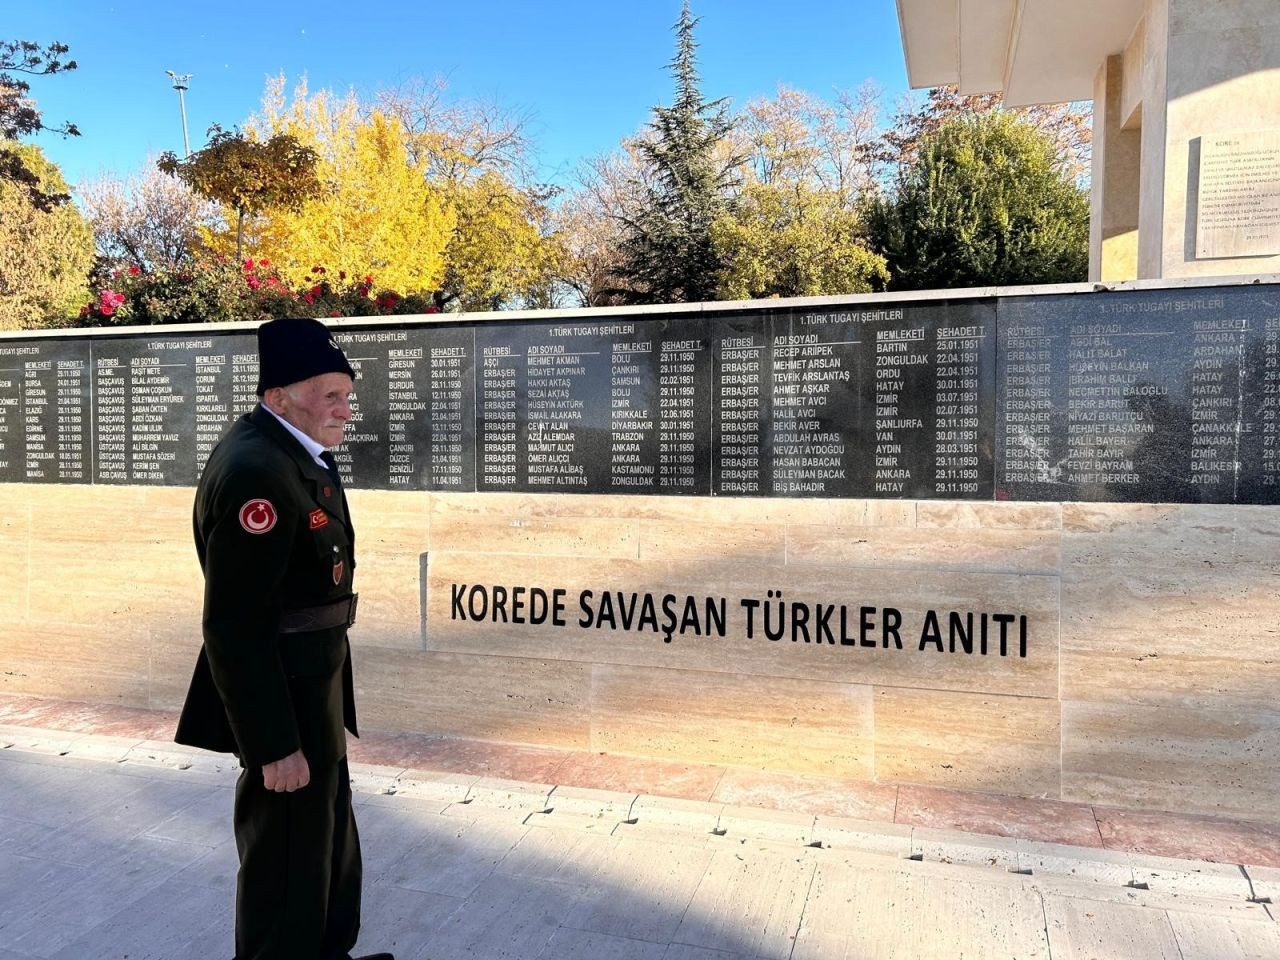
1186,94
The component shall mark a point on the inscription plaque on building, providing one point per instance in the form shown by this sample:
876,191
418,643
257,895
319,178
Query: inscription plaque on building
1238,204
1162,395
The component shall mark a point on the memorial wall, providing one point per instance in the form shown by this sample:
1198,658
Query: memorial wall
1020,543
1149,396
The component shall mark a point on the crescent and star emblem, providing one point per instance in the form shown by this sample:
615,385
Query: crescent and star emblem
258,516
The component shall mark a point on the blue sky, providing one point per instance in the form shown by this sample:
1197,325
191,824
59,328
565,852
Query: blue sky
584,73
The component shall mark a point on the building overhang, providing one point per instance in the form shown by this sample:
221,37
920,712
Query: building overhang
1032,51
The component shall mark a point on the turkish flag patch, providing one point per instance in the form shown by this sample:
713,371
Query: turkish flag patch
318,519
258,516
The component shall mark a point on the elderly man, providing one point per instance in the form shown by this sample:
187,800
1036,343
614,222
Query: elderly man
273,681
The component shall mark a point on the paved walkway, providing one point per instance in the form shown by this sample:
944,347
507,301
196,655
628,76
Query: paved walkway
115,848
1187,836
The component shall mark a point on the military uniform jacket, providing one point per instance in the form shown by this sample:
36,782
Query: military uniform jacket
273,534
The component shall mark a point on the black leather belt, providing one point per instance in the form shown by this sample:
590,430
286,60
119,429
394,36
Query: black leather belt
339,614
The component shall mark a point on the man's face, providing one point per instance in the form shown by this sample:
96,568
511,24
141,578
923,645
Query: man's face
320,406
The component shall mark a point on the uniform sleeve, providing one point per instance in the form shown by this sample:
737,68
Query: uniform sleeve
247,549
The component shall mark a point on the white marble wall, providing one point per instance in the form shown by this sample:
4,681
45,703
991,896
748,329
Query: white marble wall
1153,632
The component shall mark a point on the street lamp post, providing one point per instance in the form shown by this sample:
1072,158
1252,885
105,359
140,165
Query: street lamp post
180,83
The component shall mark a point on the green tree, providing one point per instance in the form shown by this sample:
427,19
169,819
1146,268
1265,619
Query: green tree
19,116
1068,125
502,252
796,229
667,251
793,241
247,175
987,201
45,252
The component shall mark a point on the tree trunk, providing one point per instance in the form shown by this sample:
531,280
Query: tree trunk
239,236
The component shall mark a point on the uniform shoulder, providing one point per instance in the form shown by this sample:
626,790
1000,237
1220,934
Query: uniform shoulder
246,444
248,460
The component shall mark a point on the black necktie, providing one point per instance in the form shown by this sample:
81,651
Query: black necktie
332,466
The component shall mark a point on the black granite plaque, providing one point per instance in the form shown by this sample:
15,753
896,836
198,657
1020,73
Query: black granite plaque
1168,395
1138,396
162,402
742,377
683,362
13,445
601,406
45,404
226,380
413,407
893,401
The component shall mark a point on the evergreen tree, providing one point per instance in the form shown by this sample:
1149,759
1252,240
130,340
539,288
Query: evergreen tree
986,202
667,249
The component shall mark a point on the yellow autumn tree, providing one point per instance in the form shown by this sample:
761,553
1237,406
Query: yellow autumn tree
376,212
504,250
45,254
433,194
498,254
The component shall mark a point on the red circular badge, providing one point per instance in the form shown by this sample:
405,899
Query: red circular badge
258,516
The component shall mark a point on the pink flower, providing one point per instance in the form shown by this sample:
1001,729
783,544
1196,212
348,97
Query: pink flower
108,300
309,298
316,290
335,313
134,271
254,283
264,262
248,264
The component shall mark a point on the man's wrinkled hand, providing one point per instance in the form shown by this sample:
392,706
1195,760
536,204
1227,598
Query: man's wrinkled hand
287,775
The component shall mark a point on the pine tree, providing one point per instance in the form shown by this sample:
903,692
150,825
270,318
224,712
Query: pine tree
668,253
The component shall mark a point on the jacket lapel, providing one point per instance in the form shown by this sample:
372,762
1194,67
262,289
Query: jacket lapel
316,478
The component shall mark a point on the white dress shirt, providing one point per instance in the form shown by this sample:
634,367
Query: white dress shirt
313,448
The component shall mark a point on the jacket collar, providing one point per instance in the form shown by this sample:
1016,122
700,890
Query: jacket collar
271,427
316,476
312,447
